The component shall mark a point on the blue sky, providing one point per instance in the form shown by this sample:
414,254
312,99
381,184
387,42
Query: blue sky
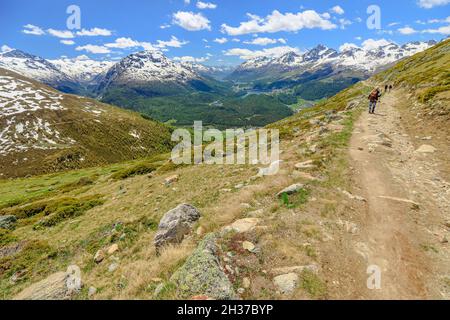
214,32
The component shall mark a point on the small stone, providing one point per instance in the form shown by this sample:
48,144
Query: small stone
200,231
246,283
113,249
247,245
426,149
305,165
244,225
8,222
113,267
239,186
172,179
240,290
92,291
99,256
156,280
291,189
286,283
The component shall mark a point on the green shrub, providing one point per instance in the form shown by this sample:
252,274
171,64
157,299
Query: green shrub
67,208
135,170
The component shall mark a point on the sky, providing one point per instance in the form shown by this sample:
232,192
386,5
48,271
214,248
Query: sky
213,32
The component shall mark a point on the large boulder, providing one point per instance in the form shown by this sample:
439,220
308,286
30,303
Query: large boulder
58,286
202,274
8,222
175,225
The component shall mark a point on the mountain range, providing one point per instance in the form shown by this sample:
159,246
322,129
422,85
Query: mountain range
43,130
255,93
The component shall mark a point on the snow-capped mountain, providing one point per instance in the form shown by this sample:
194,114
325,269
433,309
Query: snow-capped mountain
366,60
148,66
82,69
33,67
43,130
67,75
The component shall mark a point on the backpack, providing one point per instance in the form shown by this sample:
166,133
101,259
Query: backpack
373,95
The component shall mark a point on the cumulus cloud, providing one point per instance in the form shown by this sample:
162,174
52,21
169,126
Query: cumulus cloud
247,54
221,40
173,42
68,42
428,4
407,31
338,10
64,34
191,21
93,49
33,30
442,30
206,5
277,21
94,32
123,43
265,41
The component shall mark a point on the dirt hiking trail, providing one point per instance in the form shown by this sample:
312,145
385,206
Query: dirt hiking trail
404,220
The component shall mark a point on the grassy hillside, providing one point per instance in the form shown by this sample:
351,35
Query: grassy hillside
45,131
426,75
66,218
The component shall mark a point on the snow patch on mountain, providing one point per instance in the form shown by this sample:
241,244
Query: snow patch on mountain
82,69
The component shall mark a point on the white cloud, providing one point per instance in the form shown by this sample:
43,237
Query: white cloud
407,31
343,23
371,44
206,5
165,26
5,48
32,29
68,42
64,34
173,42
265,41
221,40
247,54
123,43
442,30
191,59
392,24
94,32
428,4
191,21
278,21
236,40
338,10
187,1
93,49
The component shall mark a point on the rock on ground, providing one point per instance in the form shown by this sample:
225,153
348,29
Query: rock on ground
243,225
58,286
203,275
175,225
291,189
286,283
7,222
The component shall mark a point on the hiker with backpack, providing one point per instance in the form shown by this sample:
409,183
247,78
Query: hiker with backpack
373,100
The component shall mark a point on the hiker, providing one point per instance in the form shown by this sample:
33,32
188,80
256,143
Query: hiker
386,87
390,88
373,99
